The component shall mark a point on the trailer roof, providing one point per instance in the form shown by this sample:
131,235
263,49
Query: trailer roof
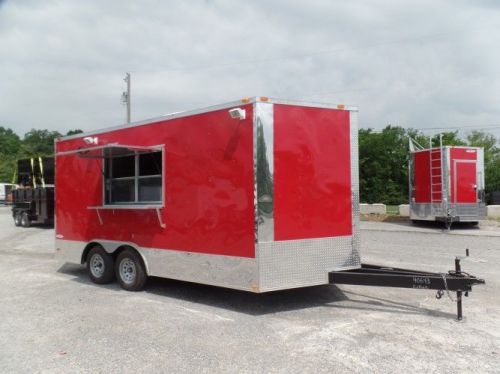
445,147
187,113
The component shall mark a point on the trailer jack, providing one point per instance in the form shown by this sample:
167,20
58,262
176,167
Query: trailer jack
382,276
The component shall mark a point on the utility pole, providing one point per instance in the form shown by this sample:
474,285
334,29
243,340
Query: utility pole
126,96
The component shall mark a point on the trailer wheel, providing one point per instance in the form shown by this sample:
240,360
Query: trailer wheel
25,220
100,265
130,271
17,219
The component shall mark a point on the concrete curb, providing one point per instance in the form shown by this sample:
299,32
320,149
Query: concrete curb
441,232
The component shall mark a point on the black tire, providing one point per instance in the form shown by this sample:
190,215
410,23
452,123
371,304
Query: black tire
100,265
25,220
17,219
130,270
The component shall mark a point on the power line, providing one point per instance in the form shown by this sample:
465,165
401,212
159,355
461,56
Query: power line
314,53
474,127
450,128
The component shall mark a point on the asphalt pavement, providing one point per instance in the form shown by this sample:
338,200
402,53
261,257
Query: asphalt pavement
53,319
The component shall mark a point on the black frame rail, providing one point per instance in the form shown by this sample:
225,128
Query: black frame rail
383,276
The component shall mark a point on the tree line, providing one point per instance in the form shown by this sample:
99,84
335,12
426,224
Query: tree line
34,143
383,157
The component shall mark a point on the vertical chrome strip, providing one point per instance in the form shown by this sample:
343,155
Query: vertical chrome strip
163,168
480,169
264,174
454,181
353,123
255,207
448,178
55,189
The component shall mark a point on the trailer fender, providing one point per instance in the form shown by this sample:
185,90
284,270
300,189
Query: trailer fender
121,248
114,248
87,249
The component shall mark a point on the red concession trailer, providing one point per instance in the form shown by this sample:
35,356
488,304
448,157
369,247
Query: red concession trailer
257,195
447,184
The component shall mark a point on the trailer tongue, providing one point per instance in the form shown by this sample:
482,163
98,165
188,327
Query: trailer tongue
382,276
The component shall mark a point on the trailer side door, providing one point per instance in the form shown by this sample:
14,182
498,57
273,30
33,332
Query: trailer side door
465,184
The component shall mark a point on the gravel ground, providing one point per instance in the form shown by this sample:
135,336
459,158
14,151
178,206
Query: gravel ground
55,320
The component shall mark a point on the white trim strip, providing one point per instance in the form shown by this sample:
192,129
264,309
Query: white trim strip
212,108
112,145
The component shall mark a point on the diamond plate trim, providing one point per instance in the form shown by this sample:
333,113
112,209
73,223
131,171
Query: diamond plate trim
355,187
470,212
301,263
431,212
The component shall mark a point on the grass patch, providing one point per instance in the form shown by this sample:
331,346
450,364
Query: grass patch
392,210
382,218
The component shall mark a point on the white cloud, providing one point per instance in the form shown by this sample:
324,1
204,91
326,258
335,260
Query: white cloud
416,64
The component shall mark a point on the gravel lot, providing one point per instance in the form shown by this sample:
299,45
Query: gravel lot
55,320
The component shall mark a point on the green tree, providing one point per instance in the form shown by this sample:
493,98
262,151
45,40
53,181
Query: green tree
9,142
10,145
449,138
383,165
491,157
7,168
74,132
39,143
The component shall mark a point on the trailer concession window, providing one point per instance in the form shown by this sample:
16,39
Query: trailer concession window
133,176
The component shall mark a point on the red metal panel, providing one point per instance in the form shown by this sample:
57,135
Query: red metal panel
422,177
465,182
463,175
312,173
208,187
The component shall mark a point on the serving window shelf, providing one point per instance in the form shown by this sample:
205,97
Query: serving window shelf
129,207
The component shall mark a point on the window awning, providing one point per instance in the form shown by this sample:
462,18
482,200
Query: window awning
109,150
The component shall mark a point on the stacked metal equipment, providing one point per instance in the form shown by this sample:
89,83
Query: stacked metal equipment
33,200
